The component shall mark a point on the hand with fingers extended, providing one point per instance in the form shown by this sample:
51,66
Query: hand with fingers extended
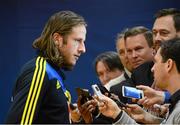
86,109
140,115
151,96
161,110
136,112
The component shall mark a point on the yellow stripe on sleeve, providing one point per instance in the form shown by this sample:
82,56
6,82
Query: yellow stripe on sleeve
38,92
30,91
34,92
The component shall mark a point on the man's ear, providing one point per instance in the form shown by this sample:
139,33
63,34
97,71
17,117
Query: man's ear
58,39
169,65
153,51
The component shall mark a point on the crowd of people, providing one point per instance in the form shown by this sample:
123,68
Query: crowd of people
145,59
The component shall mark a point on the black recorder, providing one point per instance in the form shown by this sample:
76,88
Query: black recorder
85,95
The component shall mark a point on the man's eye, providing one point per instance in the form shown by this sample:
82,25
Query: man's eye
154,33
120,52
99,74
77,40
139,49
129,51
164,33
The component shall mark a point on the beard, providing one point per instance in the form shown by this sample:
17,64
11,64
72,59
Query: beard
63,62
67,67
66,64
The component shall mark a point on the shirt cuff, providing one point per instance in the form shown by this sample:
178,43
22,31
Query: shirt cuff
118,117
167,96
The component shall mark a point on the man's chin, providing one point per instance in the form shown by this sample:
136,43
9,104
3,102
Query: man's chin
68,67
137,65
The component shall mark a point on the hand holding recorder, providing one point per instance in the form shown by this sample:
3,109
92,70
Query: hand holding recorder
86,105
97,92
132,92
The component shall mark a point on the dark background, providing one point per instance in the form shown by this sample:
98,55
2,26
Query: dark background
23,20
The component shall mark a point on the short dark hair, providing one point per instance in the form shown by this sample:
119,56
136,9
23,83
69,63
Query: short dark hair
175,13
170,50
140,30
110,59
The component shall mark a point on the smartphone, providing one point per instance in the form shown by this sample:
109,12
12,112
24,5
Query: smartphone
85,95
96,90
132,92
104,90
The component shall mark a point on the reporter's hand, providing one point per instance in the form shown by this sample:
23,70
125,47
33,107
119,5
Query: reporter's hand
75,114
161,110
151,96
136,112
86,109
140,115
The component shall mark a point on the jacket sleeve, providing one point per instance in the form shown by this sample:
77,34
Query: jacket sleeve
125,119
28,94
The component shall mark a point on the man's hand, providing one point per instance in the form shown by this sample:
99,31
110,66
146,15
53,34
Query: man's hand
136,112
75,114
151,96
86,109
140,115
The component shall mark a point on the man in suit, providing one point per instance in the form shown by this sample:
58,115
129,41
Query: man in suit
137,49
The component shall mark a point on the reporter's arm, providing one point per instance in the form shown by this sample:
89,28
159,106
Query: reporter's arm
147,119
151,96
110,109
124,118
140,115
86,109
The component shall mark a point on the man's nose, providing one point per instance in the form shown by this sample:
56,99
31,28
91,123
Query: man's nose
82,48
134,54
106,78
157,44
157,37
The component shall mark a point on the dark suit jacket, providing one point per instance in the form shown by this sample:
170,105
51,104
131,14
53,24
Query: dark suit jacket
117,89
142,75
